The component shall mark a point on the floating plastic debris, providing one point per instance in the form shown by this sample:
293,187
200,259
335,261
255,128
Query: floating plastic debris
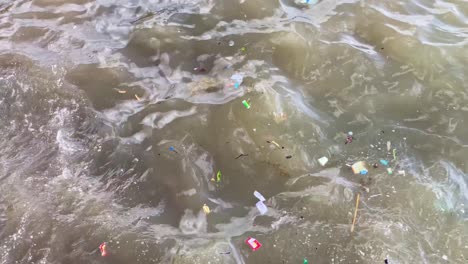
359,168
389,145
171,148
137,97
355,211
253,243
218,176
384,162
276,144
305,261
237,79
394,154
288,156
389,170
261,207
103,249
231,43
349,138
206,209
402,172
199,69
244,49
259,196
246,104
323,161
120,91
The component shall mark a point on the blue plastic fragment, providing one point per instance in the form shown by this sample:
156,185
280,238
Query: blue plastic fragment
384,162
364,172
171,148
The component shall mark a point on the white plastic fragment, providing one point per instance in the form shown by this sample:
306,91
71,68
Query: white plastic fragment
389,145
323,161
259,196
402,172
262,208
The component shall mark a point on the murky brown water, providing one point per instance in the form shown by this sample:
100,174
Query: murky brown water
95,93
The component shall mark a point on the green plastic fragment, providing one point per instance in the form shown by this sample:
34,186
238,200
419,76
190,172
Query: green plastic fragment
243,49
246,104
218,176
305,261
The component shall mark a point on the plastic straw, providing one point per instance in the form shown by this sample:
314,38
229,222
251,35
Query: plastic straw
355,212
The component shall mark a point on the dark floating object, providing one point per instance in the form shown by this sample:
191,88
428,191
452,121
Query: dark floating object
289,156
242,155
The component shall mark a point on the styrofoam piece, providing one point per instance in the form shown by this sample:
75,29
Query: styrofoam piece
261,207
259,196
323,161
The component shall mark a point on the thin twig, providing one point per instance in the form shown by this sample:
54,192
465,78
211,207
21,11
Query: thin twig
242,155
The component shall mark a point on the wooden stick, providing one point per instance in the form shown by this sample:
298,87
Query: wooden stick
355,212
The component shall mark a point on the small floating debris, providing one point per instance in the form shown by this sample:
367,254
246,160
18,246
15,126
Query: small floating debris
305,261
237,78
137,97
103,249
218,176
349,137
323,161
274,143
206,209
253,243
383,162
288,156
259,196
199,69
389,171
246,104
171,148
359,168
389,145
402,172
355,211
242,155
120,91
262,208
231,43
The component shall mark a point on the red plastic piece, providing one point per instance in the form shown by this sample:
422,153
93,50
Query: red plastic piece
253,243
